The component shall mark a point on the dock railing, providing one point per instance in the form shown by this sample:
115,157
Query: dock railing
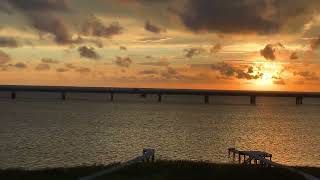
148,155
263,159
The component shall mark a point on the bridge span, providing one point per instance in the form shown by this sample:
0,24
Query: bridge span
64,90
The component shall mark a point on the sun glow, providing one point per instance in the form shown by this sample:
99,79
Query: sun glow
266,78
269,71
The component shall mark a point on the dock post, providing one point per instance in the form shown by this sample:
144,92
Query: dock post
239,158
63,96
148,155
159,98
13,95
299,100
111,96
253,100
206,99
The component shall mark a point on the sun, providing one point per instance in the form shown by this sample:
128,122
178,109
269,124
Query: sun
268,71
266,78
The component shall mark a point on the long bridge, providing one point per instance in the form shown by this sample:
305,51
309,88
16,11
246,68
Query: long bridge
111,91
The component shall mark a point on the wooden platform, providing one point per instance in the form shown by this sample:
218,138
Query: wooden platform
248,157
263,159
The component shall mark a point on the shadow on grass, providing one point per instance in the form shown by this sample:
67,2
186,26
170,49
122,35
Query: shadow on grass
50,174
161,170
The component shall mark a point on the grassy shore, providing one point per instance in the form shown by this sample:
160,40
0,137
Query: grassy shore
161,170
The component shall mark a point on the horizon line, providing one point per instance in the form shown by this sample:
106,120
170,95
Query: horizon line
145,88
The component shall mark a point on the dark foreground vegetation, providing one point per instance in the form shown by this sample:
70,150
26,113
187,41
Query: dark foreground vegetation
161,170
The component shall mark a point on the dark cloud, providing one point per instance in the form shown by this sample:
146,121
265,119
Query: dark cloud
247,16
20,65
123,61
147,2
61,70
70,66
228,70
189,53
215,48
49,61
294,56
4,58
97,42
149,72
42,67
153,39
8,42
279,82
40,5
157,63
170,73
123,48
315,43
201,66
153,28
54,25
5,7
40,13
94,27
250,70
81,40
83,70
269,52
173,74
311,76
88,52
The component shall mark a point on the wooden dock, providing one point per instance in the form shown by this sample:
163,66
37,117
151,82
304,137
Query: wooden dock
248,157
263,159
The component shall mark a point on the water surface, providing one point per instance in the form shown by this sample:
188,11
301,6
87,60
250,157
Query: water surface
47,132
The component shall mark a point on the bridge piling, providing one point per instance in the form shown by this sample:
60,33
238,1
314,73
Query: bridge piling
253,100
13,95
159,98
63,96
299,100
206,99
111,96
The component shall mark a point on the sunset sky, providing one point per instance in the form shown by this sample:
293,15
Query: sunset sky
207,44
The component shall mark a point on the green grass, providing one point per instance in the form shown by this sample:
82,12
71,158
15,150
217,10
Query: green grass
50,174
161,170
188,170
310,170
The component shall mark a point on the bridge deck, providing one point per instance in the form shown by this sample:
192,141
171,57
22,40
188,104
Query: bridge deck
13,88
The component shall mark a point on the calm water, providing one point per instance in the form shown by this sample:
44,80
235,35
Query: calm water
46,132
